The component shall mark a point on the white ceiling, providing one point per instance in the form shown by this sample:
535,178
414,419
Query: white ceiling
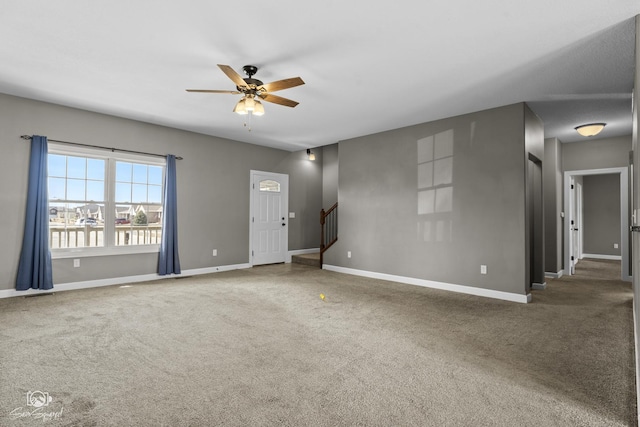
368,66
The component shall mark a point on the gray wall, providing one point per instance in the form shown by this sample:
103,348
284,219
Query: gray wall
329,175
435,201
601,214
553,221
596,154
213,188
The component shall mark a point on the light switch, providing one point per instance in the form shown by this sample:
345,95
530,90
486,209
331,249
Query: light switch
292,214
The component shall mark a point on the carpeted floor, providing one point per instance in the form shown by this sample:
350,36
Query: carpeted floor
260,347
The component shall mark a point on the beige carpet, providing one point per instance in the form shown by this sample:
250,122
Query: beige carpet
260,347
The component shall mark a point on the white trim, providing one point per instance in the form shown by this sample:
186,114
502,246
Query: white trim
301,252
88,252
557,275
624,219
8,293
599,256
539,286
463,289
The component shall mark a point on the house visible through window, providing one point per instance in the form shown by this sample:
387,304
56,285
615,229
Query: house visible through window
103,202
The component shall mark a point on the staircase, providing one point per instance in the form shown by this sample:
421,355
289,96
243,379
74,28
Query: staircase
307,259
328,236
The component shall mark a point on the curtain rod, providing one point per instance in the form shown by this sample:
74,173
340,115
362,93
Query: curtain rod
28,137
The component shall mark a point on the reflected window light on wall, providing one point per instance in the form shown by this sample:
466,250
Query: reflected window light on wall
435,186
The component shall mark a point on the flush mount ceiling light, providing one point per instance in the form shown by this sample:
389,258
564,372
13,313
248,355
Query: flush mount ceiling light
591,129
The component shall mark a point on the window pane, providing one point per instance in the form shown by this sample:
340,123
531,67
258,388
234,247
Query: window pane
155,194
76,167
123,192
75,189
95,190
123,172
56,188
139,225
270,185
154,214
57,225
140,173
75,225
57,165
95,169
139,193
155,175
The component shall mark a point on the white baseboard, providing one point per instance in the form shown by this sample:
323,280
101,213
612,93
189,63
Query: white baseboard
551,275
539,286
463,289
598,256
301,252
8,293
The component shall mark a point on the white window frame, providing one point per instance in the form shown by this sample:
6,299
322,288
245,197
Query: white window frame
109,204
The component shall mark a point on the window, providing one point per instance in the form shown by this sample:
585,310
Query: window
101,203
270,186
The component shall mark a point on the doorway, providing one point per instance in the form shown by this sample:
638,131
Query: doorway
536,224
573,223
268,226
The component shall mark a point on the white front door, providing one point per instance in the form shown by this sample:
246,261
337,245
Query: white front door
269,217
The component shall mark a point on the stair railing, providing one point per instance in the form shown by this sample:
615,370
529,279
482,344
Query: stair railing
328,229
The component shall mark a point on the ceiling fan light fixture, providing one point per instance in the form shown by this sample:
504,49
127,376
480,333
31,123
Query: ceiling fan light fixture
240,107
590,129
249,103
258,109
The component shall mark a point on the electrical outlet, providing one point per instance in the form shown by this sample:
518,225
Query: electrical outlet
348,254
483,269
76,262
215,252
615,246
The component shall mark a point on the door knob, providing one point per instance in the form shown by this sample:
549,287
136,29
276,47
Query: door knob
283,224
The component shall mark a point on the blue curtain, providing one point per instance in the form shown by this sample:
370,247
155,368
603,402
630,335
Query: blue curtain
34,268
169,261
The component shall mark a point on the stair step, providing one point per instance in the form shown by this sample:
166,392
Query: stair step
312,259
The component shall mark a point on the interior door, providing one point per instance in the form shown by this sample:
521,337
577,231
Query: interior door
575,223
573,228
269,217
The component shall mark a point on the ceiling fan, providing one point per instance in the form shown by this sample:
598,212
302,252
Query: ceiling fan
253,88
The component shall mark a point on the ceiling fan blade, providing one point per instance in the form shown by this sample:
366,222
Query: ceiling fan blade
230,72
282,84
233,92
278,100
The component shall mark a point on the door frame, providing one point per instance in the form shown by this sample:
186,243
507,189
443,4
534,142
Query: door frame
624,217
276,176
